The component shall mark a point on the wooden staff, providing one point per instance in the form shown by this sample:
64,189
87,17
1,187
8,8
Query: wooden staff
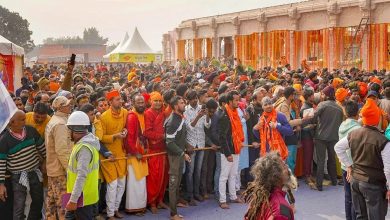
162,153
154,154
143,156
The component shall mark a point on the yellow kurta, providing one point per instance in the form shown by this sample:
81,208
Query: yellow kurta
40,127
111,125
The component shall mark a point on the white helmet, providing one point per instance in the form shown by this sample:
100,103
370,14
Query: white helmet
78,121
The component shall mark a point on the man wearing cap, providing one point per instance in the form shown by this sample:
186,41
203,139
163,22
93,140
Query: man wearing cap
43,84
83,168
383,117
113,123
157,180
369,170
58,149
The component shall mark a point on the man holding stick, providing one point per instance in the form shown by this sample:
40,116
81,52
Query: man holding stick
175,134
157,180
113,123
137,168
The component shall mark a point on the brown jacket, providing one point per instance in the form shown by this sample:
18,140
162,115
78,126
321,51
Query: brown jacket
366,145
58,145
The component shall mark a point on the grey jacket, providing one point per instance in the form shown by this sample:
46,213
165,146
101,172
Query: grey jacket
328,118
83,157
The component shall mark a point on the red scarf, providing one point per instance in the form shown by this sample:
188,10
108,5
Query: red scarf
237,131
271,136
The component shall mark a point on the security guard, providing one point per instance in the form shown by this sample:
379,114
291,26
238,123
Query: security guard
83,169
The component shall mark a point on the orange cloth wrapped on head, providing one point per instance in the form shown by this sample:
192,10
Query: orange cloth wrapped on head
112,94
370,113
337,82
341,94
155,96
376,80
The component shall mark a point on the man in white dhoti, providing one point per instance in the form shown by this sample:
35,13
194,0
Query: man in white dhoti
137,167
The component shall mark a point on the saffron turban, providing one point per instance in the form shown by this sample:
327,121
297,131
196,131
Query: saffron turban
244,78
297,87
131,76
341,94
155,96
112,94
336,82
376,80
363,89
370,113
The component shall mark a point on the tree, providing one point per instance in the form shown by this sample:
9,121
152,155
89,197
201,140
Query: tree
64,40
91,36
16,29
111,47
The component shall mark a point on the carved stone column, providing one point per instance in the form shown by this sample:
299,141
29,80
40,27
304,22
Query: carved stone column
236,23
333,11
214,38
366,7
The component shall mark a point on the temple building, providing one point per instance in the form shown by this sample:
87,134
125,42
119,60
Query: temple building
322,33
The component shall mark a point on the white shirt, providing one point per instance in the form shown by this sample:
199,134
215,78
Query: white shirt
342,146
196,136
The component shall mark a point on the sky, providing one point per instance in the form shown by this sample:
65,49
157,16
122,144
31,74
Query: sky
113,18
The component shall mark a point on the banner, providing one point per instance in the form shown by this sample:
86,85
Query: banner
7,107
6,71
135,58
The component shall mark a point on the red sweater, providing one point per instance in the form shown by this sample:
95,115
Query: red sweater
279,208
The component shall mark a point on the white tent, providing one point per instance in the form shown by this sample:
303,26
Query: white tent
9,48
135,45
135,50
119,47
11,63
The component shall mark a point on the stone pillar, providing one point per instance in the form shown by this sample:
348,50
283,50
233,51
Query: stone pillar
334,11
236,24
293,57
367,7
331,49
294,16
176,52
194,28
262,19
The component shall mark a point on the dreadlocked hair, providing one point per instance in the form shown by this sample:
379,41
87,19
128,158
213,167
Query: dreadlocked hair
267,173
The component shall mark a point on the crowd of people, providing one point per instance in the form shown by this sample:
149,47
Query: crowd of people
97,138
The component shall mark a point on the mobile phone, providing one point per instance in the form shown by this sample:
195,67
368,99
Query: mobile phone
73,59
203,107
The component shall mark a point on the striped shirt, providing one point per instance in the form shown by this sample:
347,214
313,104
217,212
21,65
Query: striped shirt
20,154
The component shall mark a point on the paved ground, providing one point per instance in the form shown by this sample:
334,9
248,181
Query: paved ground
311,205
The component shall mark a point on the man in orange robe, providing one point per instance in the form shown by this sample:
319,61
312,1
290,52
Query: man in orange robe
157,180
113,123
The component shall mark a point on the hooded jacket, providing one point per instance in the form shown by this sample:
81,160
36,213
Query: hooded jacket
347,126
83,158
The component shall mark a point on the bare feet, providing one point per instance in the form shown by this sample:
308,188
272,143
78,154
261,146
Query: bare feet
162,205
238,200
118,215
224,205
154,210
